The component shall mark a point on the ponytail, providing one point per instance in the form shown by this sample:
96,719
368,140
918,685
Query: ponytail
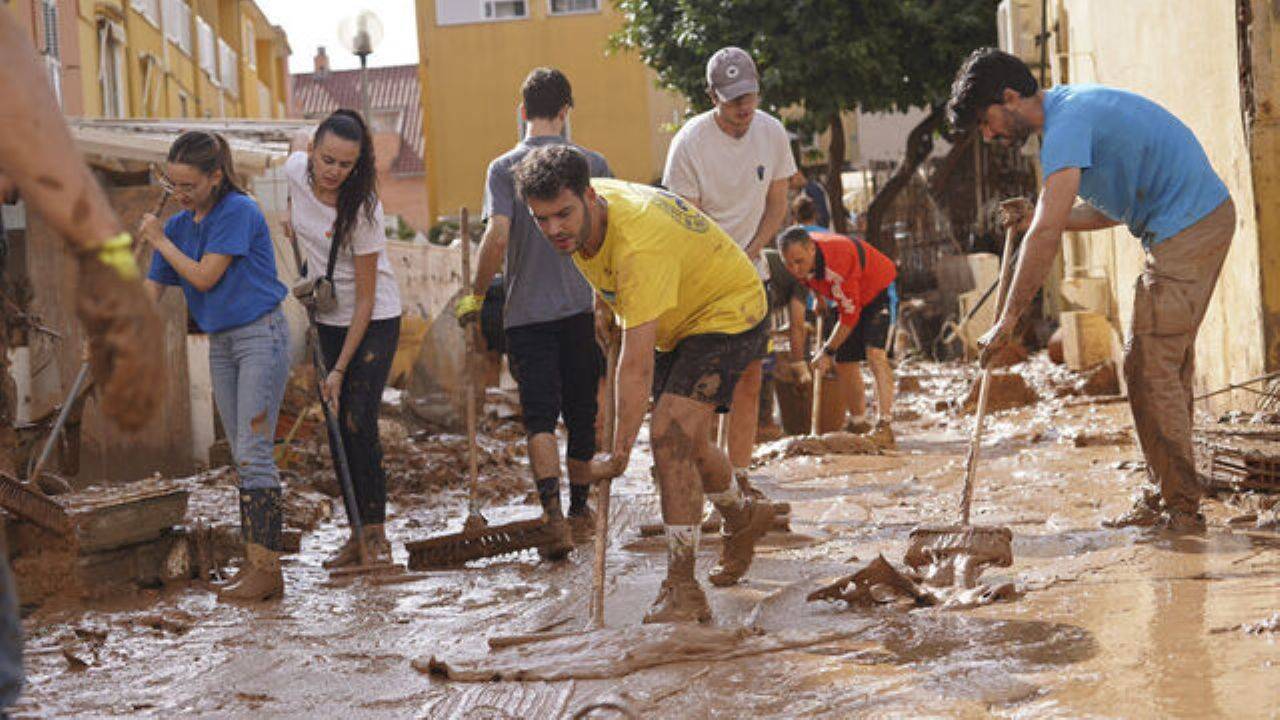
207,151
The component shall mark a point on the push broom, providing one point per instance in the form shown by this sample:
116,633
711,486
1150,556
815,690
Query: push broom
478,539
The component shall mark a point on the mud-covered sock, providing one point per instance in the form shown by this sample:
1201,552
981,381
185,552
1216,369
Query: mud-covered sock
728,500
578,495
682,546
549,495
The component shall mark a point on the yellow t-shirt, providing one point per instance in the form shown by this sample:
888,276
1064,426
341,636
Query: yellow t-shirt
663,260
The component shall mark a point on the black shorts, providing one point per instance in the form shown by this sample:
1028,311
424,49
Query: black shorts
557,366
872,330
706,368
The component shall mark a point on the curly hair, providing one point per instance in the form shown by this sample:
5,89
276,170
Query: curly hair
545,92
549,169
981,82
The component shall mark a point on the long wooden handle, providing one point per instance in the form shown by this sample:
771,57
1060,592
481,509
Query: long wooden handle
468,380
602,543
980,415
814,419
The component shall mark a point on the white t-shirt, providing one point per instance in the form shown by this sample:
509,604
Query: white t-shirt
729,177
313,224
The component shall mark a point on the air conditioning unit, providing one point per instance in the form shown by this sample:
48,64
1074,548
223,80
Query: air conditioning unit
1017,25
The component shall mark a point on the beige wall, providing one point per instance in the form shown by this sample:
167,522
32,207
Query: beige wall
1183,55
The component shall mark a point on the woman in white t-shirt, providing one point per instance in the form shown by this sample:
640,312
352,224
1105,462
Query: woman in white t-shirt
334,201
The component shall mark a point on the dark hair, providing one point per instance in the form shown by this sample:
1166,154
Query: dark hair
547,170
981,82
803,210
793,235
206,152
359,192
546,91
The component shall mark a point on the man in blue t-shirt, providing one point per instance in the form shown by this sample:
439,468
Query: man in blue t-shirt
1132,163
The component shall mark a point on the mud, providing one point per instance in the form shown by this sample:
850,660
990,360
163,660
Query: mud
1008,390
1111,622
124,330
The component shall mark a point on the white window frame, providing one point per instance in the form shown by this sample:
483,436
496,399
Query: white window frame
149,9
207,49
470,12
250,50
51,50
177,22
584,11
111,69
488,10
228,68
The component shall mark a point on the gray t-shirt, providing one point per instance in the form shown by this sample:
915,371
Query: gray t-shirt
541,284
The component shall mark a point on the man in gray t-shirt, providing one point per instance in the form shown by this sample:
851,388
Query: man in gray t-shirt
548,317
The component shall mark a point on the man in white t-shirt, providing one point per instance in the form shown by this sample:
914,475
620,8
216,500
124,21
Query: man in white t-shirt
734,162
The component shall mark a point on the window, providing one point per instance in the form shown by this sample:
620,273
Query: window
111,68
151,77
250,51
460,12
177,24
264,100
228,69
51,52
207,50
572,7
149,9
504,9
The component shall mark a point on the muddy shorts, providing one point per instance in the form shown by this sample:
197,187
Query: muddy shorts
707,367
872,330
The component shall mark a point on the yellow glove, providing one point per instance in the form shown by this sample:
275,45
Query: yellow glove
467,308
116,253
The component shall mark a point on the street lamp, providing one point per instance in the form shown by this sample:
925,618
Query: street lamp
359,34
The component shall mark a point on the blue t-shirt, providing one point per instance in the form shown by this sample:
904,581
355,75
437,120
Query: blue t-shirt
249,288
1139,164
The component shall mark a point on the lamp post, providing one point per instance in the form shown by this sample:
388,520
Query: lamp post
359,34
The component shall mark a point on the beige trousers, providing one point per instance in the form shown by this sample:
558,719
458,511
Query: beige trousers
1169,301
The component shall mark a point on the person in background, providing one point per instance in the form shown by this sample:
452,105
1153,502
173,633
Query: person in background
549,318
734,163
818,195
218,250
338,220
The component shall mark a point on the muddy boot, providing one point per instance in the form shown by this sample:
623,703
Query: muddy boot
882,436
346,555
582,526
376,545
742,528
680,599
1183,523
1144,513
260,578
562,539
857,425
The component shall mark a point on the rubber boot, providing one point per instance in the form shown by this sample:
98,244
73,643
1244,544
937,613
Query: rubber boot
346,555
376,545
261,577
244,538
680,599
562,537
742,528
582,527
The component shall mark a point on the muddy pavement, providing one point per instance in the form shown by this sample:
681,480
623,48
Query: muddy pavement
1109,623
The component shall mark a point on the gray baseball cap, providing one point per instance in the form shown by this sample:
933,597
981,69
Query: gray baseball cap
731,73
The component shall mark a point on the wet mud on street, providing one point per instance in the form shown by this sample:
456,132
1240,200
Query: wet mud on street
1107,623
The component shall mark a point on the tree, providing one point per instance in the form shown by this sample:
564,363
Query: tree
824,56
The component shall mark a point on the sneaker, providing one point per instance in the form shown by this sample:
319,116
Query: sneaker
1140,515
679,601
562,540
882,436
742,528
582,526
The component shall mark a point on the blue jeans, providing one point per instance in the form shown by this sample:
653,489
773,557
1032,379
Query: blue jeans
250,367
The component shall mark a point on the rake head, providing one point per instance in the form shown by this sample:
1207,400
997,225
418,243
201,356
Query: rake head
478,541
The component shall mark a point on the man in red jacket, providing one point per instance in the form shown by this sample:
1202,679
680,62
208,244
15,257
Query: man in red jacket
856,277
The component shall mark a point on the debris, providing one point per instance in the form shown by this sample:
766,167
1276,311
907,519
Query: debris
909,384
880,583
1098,439
832,443
1007,391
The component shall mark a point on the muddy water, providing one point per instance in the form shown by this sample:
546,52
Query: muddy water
1110,625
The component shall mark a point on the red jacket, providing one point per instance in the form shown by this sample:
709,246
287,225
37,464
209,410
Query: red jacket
850,273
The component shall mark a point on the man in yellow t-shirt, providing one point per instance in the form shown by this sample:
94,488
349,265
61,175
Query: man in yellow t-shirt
681,287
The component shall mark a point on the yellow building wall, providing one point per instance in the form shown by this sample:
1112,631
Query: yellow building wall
471,94
1183,55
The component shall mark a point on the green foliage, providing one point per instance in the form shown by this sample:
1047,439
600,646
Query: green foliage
823,55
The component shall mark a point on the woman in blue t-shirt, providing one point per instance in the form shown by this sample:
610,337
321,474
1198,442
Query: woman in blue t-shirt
219,251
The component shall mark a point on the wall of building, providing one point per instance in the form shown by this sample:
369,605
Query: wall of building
406,196
1137,45
471,92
